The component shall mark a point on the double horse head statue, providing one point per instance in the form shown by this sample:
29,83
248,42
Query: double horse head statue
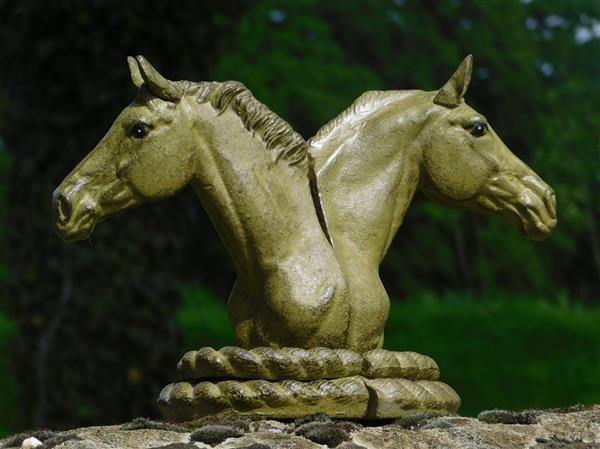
307,224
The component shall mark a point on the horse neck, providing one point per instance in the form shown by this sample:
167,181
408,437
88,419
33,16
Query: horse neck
255,202
367,170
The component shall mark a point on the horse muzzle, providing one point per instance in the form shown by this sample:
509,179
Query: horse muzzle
73,220
526,201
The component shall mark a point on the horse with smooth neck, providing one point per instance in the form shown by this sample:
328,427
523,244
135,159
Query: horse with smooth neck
370,160
250,171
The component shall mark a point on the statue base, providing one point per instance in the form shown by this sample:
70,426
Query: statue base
291,383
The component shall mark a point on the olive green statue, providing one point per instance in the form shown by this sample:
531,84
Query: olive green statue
307,225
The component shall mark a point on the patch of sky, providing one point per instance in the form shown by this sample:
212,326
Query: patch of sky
583,34
556,21
546,68
277,15
531,23
588,30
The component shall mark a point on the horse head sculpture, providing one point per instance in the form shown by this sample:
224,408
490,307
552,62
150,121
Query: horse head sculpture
250,171
148,138
466,165
371,159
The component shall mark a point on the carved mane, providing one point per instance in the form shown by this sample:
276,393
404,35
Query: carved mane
365,101
275,132
347,123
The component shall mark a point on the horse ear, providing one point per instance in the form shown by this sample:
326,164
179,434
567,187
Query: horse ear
158,85
455,88
134,70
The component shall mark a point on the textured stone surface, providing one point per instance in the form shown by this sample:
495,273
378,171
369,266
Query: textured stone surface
574,428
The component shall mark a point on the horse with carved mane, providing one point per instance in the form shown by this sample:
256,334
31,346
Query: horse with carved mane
250,171
369,161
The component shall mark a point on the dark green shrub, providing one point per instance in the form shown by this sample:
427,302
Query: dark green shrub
505,351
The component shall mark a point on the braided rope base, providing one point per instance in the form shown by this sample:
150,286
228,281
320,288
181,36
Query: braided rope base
293,382
231,362
348,397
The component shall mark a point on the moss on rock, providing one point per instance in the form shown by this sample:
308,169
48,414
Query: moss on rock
508,417
17,440
147,423
215,433
241,422
328,433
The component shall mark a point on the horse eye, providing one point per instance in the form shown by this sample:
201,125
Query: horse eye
478,129
139,130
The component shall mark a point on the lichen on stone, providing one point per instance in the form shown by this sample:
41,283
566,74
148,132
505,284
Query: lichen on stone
256,446
349,445
177,446
416,420
444,422
147,423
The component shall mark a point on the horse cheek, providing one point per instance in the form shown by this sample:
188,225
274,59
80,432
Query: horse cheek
156,175
458,177
472,174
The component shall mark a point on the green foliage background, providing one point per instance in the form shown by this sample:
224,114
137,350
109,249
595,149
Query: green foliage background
90,332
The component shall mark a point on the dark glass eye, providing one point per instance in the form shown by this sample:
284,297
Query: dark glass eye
478,129
139,130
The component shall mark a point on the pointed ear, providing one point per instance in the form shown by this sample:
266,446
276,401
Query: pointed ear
158,85
456,87
134,70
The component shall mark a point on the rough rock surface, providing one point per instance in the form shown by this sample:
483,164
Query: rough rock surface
575,427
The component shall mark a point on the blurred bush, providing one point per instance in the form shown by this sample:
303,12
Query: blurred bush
203,319
504,350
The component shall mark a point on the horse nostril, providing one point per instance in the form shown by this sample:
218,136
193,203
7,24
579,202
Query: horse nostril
62,206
